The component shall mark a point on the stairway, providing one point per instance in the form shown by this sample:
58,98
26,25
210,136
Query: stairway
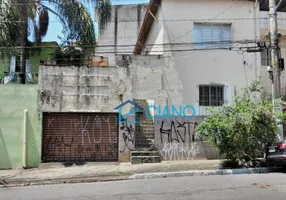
139,157
144,138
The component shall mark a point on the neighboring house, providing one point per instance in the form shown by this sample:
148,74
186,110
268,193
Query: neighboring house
206,43
121,33
32,69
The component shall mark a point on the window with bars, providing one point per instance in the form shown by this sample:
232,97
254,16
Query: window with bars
211,95
212,35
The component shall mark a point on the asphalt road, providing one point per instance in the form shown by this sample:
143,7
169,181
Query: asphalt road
227,187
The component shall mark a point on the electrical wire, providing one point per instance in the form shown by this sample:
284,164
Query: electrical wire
165,20
154,44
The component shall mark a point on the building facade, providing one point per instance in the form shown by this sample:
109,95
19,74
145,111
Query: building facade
163,54
206,43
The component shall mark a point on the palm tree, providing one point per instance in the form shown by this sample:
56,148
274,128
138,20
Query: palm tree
20,18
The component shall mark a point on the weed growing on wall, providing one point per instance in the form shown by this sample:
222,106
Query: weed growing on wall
242,131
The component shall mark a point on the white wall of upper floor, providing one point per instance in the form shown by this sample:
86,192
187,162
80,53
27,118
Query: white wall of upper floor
175,24
176,18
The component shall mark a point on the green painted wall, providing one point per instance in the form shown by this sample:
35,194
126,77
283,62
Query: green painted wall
14,99
47,49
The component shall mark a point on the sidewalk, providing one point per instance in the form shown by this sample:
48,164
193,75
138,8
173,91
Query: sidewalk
51,173
57,173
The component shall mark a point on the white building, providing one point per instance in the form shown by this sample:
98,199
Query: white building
206,41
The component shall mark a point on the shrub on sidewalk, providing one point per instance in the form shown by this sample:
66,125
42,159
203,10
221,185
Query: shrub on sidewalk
242,131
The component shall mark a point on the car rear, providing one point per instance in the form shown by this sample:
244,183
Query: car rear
276,154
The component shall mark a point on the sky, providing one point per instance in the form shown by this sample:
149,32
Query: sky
55,27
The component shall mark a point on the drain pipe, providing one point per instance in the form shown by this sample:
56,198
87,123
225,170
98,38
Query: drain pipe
25,139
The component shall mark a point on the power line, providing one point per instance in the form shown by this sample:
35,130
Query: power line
164,51
165,20
152,45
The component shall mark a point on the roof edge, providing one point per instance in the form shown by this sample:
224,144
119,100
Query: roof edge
151,12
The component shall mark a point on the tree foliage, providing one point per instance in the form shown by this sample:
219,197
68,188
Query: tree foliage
242,131
77,22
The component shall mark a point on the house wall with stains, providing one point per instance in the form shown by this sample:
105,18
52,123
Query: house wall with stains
120,34
101,89
175,28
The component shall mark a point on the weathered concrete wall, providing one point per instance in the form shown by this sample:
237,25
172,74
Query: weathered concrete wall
101,89
153,78
126,138
88,89
175,138
14,100
96,89
123,29
92,89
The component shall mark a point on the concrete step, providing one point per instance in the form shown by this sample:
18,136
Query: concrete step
144,142
143,145
142,101
148,138
146,123
146,118
145,131
143,126
143,105
145,149
145,159
144,153
142,135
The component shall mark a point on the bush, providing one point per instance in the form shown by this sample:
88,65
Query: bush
241,132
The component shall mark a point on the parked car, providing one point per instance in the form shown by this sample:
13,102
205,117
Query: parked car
276,154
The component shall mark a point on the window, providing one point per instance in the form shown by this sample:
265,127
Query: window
212,36
265,58
211,95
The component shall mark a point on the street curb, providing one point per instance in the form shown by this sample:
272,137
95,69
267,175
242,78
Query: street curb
21,183
34,182
203,173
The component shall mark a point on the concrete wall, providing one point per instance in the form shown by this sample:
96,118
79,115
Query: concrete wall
88,89
99,89
14,100
93,89
175,138
122,30
96,89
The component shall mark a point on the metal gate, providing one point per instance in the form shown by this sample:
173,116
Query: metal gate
80,137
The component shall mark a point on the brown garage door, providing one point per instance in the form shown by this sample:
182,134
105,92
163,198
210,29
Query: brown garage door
80,137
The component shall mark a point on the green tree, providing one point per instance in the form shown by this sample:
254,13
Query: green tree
242,131
20,18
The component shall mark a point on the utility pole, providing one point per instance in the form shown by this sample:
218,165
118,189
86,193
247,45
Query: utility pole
275,65
274,48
